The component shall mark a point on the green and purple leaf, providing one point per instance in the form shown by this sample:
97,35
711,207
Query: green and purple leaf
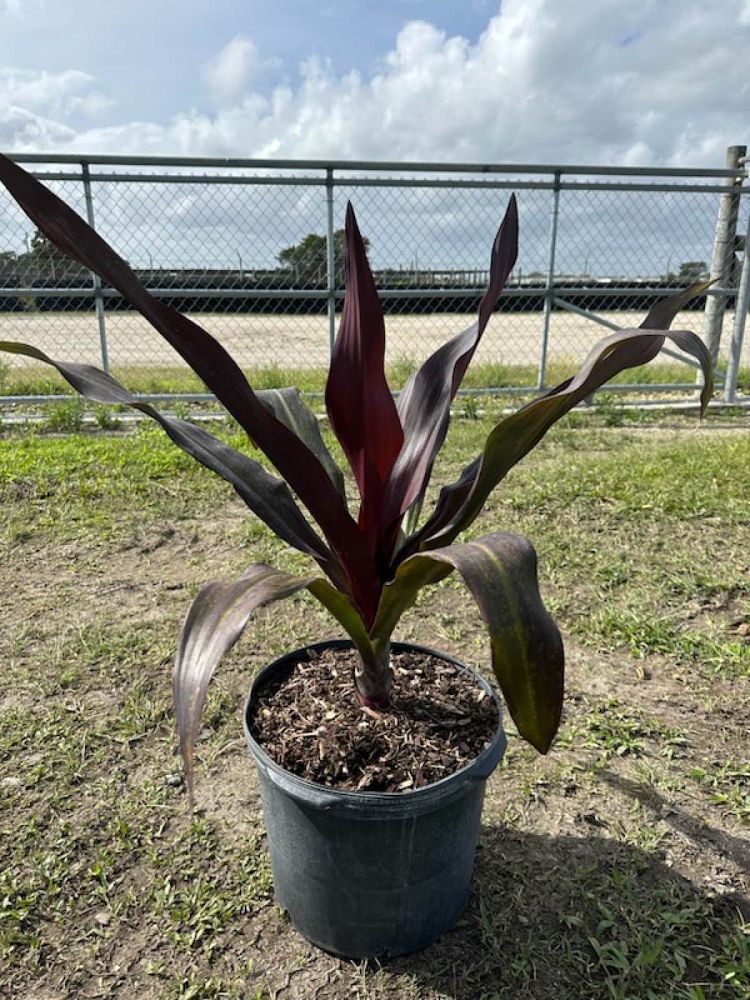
500,570
294,460
360,405
288,407
424,403
216,620
515,436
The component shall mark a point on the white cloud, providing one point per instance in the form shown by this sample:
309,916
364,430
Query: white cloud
228,74
21,130
34,107
18,8
650,82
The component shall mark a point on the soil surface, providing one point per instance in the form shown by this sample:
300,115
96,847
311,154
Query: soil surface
310,723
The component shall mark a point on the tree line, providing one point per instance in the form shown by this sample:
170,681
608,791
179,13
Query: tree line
303,262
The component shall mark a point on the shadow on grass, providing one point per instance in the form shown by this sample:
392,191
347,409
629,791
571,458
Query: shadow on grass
589,917
700,833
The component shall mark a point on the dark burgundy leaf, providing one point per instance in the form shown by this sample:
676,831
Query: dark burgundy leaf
266,495
294,460
459,503
288,407
214,623
360,404
424,404
217,619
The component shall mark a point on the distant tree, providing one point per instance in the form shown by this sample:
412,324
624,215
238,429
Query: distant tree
42,259
692,270
308,258
42,249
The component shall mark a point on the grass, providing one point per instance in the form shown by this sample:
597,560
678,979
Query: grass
616,867
32,380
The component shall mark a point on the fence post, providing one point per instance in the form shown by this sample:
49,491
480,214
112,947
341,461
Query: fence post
742,304
96,283
549,293
330,261
723,255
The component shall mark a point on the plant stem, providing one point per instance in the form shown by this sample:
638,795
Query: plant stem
373,678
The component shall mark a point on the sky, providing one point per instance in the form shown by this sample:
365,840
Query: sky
660,82
642,82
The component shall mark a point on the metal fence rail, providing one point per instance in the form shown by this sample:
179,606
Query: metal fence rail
225,241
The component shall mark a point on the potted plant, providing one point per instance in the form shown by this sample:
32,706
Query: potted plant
367,869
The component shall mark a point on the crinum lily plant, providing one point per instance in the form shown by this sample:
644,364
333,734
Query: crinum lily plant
373,562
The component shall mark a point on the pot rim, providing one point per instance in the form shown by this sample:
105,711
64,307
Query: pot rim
477,769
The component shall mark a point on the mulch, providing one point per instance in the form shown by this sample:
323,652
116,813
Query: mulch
311,724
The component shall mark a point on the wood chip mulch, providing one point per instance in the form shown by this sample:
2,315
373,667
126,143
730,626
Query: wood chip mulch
312,725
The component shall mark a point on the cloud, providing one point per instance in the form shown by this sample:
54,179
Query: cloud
228,74
21,130
19,8
541,83
35,107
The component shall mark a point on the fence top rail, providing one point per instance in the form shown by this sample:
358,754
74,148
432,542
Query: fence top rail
378,165
345,180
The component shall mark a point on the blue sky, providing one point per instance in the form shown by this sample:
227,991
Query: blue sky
647,81
147,55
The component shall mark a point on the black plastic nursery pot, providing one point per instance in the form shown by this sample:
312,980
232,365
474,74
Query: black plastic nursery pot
371,874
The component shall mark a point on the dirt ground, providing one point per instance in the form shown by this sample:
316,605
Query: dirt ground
302,341
616,867
556,837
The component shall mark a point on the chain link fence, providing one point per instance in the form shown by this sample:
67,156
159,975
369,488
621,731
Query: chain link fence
252,250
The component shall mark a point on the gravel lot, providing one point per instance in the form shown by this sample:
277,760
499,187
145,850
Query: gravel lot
302,341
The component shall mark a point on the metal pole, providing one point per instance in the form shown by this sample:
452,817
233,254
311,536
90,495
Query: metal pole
740,317
723,255
96,283
330,262
549,290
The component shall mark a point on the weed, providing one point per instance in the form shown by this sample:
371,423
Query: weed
471,408
66,417
105,418
730,785
610,410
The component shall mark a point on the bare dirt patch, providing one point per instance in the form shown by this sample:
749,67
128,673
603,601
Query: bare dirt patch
303,341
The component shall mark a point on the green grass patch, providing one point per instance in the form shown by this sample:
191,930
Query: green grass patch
729,783
32,380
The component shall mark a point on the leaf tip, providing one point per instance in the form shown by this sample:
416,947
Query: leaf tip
542,740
